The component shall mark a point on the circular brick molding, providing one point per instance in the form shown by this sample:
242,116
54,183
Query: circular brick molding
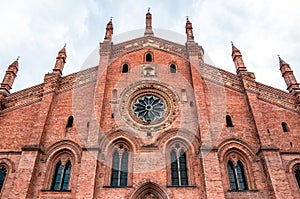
149,104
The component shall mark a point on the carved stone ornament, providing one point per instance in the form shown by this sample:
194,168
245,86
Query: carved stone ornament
149,104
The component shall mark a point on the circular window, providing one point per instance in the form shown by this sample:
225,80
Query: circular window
147,104
149,108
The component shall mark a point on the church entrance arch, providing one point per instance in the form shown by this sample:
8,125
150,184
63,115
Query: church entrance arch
149,191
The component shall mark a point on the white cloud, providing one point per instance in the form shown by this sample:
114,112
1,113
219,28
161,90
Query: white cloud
36,30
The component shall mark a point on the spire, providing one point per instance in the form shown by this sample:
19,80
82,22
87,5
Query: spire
9,77
109,30
148,30
237,59
189,30
60,60
289,78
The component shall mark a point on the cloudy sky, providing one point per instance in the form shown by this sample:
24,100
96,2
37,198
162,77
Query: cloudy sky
36,30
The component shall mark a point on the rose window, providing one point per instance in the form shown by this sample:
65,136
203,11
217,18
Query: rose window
149,108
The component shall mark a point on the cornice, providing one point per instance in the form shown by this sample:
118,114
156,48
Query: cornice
120,49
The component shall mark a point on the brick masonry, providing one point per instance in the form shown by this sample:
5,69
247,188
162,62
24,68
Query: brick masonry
33,128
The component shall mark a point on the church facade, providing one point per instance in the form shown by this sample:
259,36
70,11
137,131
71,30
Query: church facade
152,120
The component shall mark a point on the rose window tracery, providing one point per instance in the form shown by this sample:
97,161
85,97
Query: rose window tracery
147,104
149,108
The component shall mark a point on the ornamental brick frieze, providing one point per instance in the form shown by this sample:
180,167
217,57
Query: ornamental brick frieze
221,77
23,98
144,42
34,94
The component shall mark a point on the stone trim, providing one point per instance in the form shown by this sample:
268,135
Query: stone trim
120,49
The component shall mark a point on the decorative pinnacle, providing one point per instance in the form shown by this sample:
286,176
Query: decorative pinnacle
18,58
111,18
187,18
231,43
65,45
148,9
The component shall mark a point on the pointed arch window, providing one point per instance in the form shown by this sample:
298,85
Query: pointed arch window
179,175
237,176
172,68
61,176
125,68
3,173
229,121
285,127
119,173
297,174
70,122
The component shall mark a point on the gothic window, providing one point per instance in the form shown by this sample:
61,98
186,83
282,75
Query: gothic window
172,68
3,173
285,127
149,108
125,68
61,176
149,57
179,176
70,122
297,174
236,175
119,173
229,121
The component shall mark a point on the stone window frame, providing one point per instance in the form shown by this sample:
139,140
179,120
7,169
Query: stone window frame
291,166
10,168
110,151
296,167
3,165
64,155
234,155
188,153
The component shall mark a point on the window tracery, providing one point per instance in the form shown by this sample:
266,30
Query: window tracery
179,175
236,173
61,176
119,171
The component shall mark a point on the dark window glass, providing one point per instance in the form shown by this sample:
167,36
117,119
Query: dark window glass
242,183
124,169
125,68
231,175
66,177
183,169
61,176
285,127
237,176
172,68
3,173
70,122
148,57
119,175
297,175
229,121
174,169
56,184
115,169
